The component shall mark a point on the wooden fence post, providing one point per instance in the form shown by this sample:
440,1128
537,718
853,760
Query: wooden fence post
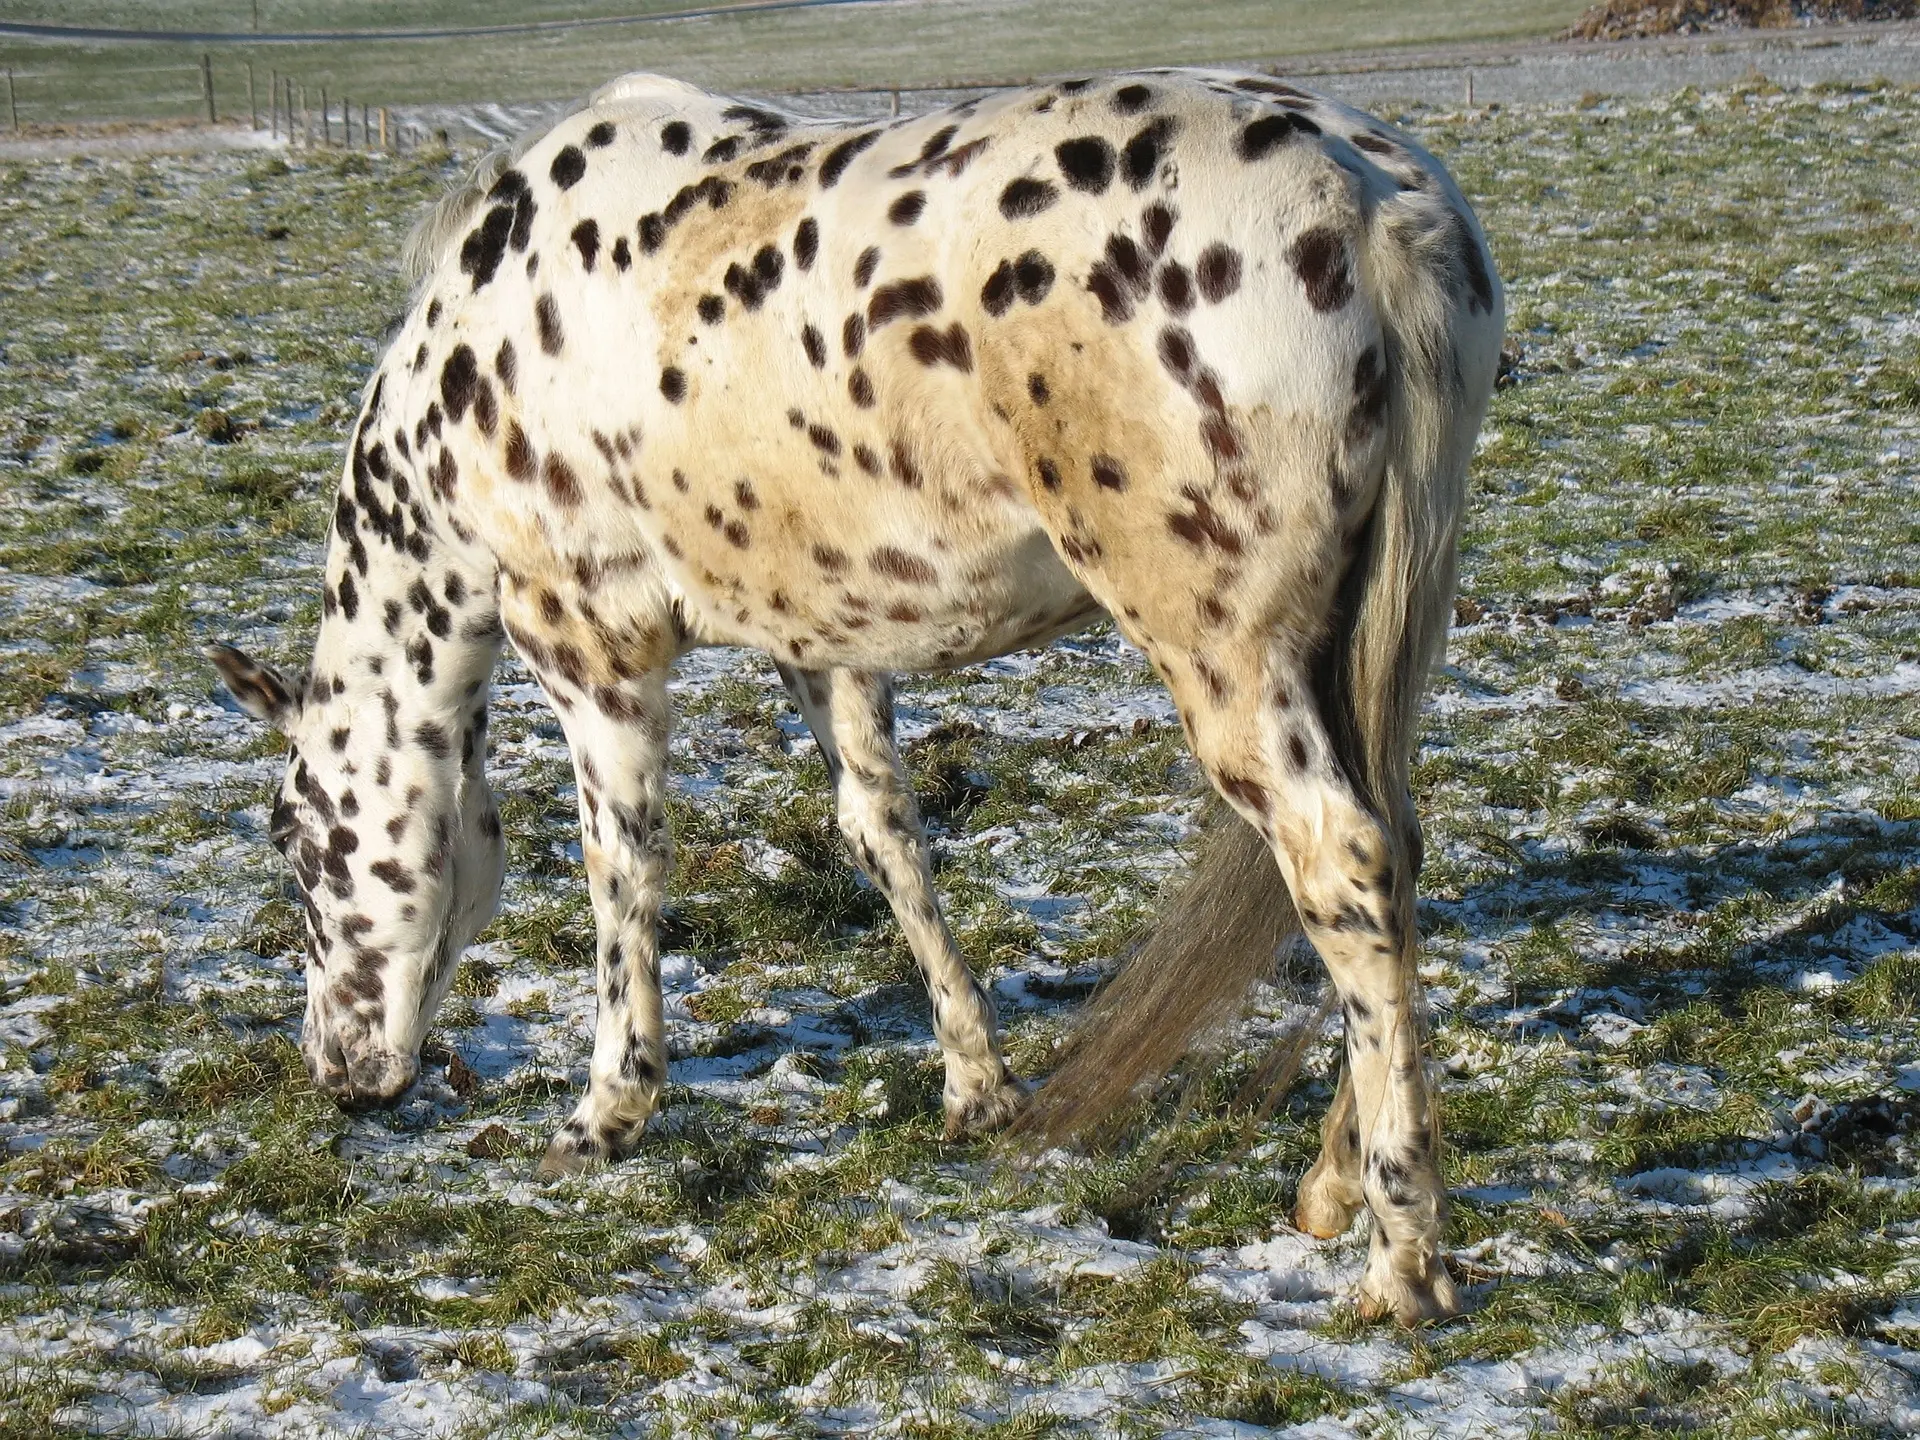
206,84
383,127
13,107
253,109
366,135
306,119
326,120
273,101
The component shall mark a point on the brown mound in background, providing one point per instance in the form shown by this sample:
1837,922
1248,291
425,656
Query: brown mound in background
1630,19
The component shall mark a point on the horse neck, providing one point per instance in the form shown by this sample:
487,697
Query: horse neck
410,623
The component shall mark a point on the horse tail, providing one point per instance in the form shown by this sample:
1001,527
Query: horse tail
1183,984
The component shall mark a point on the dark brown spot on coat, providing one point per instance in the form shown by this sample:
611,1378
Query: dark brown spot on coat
899,565
1475,264
1270,132
1109,473
834,165
1320,258
806,243
908,298
676,137
546,315
1176,350
1202,527
907,208
1176,287
562,484
520,456
996,296
1033,276
485,413
1218,272
905,470
1026,197
864,267
568,166
1087,162
586,239
1140,161
673,384
1251,795
1156,225
931,346
458,377
815,345
1369,394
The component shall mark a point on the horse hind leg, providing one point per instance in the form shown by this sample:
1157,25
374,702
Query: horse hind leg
1256,730
851,716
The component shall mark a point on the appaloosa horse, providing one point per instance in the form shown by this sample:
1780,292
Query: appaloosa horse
1192,349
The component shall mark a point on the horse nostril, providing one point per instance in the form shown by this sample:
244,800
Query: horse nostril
326,1067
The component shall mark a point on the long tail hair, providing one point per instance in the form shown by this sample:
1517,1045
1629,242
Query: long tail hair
1182,985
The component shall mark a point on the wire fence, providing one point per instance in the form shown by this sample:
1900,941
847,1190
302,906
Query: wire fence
291,108
277,106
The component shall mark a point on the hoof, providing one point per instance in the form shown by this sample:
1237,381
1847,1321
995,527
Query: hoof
1324,1210
1409,1299
565,1158
985,1111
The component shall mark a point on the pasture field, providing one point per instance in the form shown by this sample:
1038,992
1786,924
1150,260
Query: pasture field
1672,914
877,43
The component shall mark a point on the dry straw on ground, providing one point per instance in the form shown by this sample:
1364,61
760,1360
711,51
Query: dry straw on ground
1632,19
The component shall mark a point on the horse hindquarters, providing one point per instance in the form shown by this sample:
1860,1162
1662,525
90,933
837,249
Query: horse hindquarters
1294,601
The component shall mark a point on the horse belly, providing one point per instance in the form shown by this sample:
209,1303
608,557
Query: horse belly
893,585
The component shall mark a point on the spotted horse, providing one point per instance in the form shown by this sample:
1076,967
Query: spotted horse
1191,349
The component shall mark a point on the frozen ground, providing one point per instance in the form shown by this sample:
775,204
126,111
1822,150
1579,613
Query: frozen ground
1672,924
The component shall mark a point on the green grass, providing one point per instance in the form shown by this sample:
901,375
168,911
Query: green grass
873,46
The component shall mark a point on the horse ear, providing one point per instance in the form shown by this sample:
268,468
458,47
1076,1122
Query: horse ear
263,692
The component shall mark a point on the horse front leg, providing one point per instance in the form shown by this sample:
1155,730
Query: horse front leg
618,736
851,715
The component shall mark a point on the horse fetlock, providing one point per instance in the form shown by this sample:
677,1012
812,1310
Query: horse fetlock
1329,1199
1407,1281
979,1102
604,1129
